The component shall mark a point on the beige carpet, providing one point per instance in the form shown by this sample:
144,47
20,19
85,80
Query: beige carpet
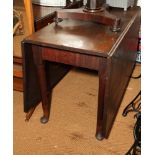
71,128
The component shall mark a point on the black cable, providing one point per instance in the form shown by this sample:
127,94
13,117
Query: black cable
131,107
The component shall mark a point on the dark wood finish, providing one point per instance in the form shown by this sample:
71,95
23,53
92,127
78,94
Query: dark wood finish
29,114
39,63
31,85
121,64
103,17
17,84
43,15
17,60
88,45
101,113
74,59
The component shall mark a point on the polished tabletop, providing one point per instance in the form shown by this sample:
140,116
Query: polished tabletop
82,36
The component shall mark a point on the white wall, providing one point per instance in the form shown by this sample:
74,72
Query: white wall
50,2
139,3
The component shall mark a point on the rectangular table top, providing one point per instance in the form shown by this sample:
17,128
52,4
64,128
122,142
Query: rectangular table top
83,36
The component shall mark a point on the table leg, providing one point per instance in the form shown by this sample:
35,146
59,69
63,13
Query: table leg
29,114
100,130
45,93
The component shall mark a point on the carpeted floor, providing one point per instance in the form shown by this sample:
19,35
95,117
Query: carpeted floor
71,128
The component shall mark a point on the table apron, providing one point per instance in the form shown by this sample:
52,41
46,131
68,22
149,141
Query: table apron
72,58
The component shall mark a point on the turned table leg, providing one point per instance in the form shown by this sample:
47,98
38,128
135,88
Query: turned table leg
45,94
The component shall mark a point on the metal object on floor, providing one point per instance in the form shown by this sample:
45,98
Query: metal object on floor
136,147
131,107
